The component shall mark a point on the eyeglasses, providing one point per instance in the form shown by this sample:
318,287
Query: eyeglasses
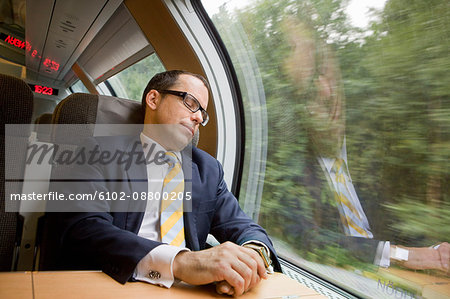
190,102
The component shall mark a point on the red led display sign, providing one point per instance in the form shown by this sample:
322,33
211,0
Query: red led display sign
48,63
12,40
44,89
51,64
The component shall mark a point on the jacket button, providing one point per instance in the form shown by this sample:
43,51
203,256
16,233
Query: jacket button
154,275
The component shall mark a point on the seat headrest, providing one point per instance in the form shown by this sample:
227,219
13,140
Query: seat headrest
86,110
112,110
78,108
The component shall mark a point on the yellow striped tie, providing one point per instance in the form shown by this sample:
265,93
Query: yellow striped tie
172,227
353,218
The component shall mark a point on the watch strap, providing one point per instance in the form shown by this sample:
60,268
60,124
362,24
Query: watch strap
262,251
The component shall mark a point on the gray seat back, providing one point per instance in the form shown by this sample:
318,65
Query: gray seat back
16,102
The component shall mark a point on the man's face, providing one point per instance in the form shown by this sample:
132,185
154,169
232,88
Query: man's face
176,123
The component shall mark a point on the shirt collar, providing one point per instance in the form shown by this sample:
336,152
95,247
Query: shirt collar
147,145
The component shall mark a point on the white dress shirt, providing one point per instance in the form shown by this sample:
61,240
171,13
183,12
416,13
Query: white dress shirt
160,259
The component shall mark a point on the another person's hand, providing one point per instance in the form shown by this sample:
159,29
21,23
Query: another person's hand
236,269
437,258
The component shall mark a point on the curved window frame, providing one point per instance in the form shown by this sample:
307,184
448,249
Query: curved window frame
190,17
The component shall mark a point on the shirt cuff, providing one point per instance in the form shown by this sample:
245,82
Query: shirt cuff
156,266
383,255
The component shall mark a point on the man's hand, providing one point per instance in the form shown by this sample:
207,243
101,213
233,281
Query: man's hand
236,269
429,258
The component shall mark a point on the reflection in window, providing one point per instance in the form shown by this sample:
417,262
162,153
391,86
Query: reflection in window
355,184
131,82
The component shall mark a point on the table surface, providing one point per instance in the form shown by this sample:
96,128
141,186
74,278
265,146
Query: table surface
95,284
16,285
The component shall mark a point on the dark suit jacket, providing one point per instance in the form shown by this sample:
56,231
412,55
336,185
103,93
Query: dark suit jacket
105,236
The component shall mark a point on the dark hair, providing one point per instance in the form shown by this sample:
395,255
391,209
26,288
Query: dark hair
165,80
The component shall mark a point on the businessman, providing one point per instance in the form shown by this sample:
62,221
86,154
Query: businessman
162,240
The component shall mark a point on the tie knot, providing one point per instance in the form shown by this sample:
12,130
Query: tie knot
171,159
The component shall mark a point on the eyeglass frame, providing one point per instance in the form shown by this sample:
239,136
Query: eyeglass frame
183,95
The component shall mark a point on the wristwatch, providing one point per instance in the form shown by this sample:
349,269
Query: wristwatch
399,254
264,255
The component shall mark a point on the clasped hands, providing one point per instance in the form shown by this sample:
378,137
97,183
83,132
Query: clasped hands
234,268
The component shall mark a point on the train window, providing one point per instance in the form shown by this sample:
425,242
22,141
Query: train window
130,82
79,87
349,102
103,89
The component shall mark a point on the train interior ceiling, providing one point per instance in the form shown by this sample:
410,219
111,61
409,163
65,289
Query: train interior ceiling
57,35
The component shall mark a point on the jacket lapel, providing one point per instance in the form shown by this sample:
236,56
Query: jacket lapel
189,218
136,172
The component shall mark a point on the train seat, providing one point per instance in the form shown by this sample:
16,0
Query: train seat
78,116
16,102
92,115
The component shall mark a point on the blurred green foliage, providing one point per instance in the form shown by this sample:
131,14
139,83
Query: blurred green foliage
397,106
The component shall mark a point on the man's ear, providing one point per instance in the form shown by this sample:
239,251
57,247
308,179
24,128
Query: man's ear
152,99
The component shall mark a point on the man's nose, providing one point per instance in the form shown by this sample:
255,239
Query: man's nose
197,117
